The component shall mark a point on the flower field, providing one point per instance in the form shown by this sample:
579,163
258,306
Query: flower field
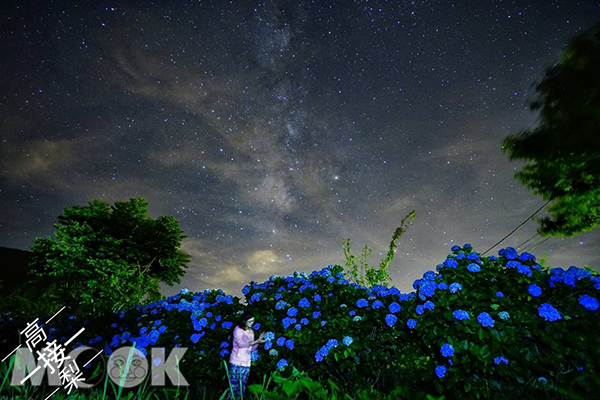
476,327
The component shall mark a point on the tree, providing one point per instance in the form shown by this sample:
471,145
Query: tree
372,276
104,258
565,147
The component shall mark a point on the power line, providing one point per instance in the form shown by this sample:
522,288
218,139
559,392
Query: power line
519,246
532,244
540,243
514,230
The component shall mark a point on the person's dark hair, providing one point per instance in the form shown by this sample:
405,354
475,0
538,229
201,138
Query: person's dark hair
246,315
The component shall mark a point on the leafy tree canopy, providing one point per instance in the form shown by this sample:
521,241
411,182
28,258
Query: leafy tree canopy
104,258
565,146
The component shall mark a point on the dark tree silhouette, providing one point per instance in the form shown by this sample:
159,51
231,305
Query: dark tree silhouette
565,147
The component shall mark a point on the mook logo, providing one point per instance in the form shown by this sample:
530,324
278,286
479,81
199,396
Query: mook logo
116,369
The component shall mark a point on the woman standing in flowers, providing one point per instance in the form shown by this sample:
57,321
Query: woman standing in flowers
239,360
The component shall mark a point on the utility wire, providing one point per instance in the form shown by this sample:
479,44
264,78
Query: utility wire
540,243
521,245
514,230
532,244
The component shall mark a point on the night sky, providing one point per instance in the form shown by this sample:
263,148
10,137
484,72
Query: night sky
273,131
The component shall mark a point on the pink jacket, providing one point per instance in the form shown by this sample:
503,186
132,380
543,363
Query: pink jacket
240,354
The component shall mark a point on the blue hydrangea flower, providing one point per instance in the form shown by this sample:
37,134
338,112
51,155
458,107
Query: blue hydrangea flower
442,285
280,305
474,267
428,305
362,303
323,322
304,321
282,363
390,319
286,322
461,315
273,352
411,323
196,336
352,312
429,275
377,304
455,248
289,344
332,343
467,246
426,289
503,315
460,256
441,371
304,303
524,269
268,344
450,263
588,302
500,359
485,319
473,257
317,297
420,309
292,311
316,314
395,307
499,294
526,256
510,253
269,335
535,290
347,340
513,264
447,350
455,287
280,341
548,312
542,379
356,318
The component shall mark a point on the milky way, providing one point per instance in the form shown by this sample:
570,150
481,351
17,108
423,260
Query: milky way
273,131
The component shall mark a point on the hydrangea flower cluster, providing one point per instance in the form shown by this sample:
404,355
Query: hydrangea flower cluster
425,291
568,277
535,290
447,350
548,312
500,359
588,302
461,315
485,319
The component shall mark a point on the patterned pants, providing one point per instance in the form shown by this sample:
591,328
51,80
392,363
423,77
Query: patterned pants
237,374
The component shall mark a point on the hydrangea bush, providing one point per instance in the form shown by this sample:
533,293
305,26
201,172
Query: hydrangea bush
477,327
